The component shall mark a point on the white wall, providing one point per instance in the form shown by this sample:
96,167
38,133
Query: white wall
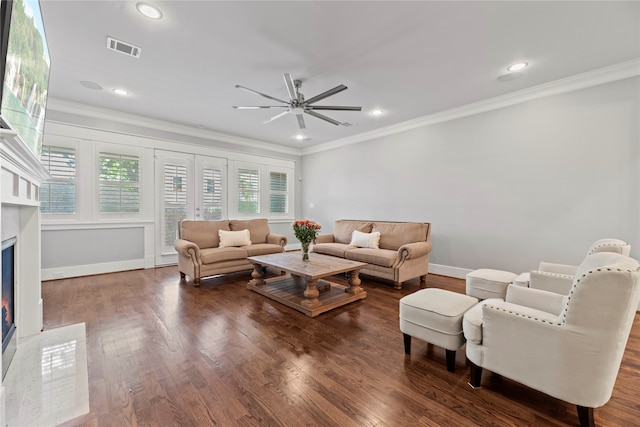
504,189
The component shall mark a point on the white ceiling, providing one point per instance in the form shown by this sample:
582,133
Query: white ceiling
409,58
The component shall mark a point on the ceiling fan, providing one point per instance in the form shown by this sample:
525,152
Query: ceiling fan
298,105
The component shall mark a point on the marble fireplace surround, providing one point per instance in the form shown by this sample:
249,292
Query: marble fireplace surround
21,175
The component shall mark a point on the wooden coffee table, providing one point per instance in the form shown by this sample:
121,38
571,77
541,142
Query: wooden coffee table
305,287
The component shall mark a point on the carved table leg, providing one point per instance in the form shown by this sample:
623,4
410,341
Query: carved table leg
311,294
257,275
354,283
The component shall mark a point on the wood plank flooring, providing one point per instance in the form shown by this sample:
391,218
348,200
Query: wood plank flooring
162,352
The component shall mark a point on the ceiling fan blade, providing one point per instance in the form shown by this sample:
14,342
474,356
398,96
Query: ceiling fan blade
333,107
277,116
323,117
326,94
301,121
291,87
255,92
257,107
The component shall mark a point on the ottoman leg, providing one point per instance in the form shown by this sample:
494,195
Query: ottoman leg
407,343
451,360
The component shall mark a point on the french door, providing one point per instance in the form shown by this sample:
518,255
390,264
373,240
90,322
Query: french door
187,187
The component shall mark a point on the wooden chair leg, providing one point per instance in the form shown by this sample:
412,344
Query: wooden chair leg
476,375
585,415
397,285
182,276
196,282
407,343
451,360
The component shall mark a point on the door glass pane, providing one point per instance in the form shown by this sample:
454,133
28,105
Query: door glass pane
175,200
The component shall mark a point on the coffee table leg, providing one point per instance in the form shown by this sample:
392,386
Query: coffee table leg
257,275
354,283
311,294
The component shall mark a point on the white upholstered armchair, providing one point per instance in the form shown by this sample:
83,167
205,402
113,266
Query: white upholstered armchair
559,277
567,346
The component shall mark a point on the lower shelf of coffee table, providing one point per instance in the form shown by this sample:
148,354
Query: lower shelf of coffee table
289,290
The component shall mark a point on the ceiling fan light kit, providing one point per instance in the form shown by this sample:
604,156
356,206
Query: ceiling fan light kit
297,105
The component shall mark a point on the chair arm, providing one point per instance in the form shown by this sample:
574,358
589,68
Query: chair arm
324,238
549,302
414,250
188,249
553,282
277,239
550,267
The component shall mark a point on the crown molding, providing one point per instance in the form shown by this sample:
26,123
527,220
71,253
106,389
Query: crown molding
91,111
579,81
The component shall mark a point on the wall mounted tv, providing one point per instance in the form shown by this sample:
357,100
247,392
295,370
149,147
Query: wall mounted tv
24,65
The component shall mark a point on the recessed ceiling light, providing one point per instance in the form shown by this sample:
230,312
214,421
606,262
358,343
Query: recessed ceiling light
91,85
377,112
121,92
517,67
299,137
149,11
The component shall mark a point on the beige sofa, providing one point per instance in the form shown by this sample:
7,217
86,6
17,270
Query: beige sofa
200,254
403,251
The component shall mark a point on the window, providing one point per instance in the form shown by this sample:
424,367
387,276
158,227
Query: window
212,193
248,191
119,183
278,193
58,196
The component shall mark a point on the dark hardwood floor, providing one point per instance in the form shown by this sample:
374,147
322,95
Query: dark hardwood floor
164,353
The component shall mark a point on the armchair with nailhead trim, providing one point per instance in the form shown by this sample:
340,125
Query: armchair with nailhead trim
567,346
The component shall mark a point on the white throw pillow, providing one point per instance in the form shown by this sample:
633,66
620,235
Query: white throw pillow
234,238
365,240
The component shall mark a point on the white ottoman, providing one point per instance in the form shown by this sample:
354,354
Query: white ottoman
435,316
487,283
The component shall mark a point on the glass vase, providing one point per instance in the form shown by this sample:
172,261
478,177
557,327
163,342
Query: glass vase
305,251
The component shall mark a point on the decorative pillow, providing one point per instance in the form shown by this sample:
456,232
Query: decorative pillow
365,240
234,238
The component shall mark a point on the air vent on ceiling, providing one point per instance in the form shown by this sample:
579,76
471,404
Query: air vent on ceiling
122,47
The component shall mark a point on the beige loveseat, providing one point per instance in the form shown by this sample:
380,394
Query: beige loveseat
402,253
200,254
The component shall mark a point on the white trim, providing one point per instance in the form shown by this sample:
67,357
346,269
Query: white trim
579,81
93,225
91,269
162,125
446,270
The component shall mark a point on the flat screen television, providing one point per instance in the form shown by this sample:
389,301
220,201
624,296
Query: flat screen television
24,66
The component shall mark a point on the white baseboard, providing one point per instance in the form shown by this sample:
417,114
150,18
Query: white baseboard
445,270
90,269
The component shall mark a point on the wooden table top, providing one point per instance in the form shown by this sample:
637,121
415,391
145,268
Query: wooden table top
317,267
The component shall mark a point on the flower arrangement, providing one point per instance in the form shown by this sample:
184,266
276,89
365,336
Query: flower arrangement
306,231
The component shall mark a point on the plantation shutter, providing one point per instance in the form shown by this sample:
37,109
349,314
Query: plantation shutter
248,191
278,193
212,200
59,194
175,200
119,183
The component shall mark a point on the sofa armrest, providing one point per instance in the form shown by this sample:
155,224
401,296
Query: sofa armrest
552,282
324,238
188,249
550,267
537,299
277,239
414,250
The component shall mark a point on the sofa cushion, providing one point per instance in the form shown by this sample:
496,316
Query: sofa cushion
213,255
365,240
395,234
202,233
258,228
343,229
263,249
234,238
333,249
381,257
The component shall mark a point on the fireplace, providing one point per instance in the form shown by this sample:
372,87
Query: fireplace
8,305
